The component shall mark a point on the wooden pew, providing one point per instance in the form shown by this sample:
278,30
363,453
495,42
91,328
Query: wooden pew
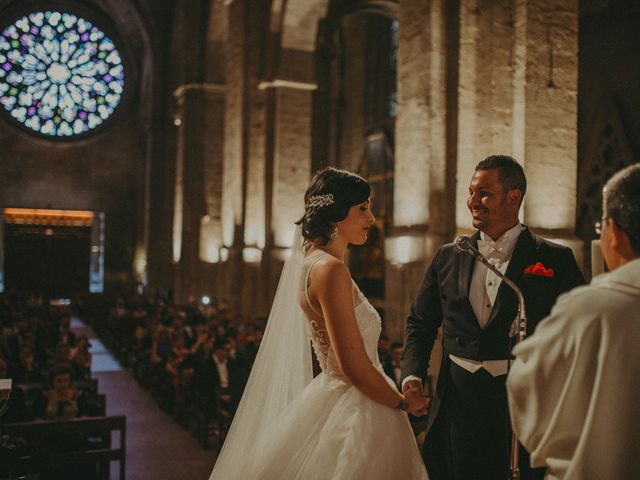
40,438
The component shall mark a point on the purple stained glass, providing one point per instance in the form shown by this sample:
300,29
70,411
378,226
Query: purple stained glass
55,74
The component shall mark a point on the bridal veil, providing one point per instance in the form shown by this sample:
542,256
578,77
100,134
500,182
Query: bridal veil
280,372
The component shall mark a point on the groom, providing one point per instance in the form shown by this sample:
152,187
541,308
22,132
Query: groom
469,435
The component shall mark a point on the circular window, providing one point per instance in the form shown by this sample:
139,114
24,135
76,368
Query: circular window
60,75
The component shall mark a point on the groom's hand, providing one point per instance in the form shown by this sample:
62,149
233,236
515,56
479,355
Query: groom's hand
412,386
417,404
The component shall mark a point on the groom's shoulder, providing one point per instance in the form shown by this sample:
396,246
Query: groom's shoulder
447,248
445,252
550,247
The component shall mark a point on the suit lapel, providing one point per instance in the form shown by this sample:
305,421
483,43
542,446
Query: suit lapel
523,254
466,268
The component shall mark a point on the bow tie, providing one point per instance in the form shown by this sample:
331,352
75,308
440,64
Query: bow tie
489,248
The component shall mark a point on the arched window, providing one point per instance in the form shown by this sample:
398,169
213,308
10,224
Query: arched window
60,75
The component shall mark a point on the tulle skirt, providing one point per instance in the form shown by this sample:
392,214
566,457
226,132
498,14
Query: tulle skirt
333,431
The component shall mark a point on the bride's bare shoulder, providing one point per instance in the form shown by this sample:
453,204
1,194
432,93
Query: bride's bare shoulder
328,269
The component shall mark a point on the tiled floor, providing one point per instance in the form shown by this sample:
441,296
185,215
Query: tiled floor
157,447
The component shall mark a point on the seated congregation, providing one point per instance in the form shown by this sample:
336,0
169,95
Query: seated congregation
194,360
54,421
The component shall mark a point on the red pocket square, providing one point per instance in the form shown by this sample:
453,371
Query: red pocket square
540,270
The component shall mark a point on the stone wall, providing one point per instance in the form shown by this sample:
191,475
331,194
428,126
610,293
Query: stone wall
105,171
608,100
231,106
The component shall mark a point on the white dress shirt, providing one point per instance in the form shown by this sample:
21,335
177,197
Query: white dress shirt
397,375
484,283
223,372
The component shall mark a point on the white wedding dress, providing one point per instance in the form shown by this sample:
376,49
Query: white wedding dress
333,431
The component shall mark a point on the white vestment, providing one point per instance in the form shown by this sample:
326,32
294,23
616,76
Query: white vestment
574,387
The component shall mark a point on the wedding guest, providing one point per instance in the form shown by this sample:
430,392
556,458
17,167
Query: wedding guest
469,436
163,343
221,331
64,334
62,403
27,370
186,387
253,339
118,313
218,379
62,399
384,349
242,367
573,387
179,327
393,364
62,355
81,358
18,337
177,355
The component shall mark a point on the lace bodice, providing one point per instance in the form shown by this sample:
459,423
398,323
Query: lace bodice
367,317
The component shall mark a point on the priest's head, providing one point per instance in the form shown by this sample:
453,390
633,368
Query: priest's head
620,234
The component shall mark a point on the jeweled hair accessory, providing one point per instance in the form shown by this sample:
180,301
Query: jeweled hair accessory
314,202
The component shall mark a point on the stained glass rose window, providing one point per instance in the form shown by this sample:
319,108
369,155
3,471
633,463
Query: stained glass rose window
60,75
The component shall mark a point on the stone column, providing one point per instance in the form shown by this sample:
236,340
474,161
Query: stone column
234,156
292,157
197,233
421,171
547,43
289,157
211,241
488,93
518,96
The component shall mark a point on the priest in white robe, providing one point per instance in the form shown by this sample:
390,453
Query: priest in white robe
574,387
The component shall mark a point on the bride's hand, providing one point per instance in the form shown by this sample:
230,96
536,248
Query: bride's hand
418,405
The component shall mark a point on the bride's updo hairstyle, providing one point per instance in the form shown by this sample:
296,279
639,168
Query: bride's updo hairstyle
328,199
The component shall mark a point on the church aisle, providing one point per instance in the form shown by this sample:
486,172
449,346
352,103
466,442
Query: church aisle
157,447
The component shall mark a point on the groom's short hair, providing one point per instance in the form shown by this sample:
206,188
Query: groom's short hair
510,172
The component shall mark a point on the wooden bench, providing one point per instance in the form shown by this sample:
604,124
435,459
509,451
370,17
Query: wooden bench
40,437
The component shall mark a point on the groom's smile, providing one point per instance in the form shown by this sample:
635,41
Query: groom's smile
491,210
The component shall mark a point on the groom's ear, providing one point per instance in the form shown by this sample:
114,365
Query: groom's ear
514,197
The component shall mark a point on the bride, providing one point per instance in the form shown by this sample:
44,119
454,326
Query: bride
349,422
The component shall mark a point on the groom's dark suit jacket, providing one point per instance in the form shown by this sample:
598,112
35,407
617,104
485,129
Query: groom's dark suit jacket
443,299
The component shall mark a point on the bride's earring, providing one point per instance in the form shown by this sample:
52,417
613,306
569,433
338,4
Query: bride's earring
334,233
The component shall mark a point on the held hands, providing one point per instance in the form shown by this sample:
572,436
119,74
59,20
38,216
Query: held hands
418,405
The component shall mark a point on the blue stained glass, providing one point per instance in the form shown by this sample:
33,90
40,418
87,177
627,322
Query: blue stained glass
60,75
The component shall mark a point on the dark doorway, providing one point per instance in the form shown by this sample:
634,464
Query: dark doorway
51,260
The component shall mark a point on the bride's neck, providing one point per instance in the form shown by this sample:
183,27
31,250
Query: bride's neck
336,248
